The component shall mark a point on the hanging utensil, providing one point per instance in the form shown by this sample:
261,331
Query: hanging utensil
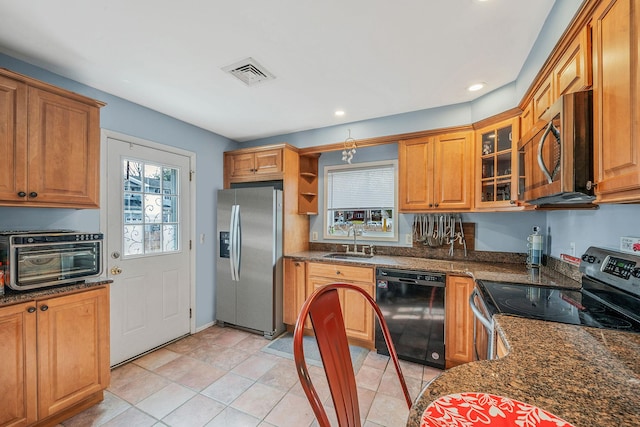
464,242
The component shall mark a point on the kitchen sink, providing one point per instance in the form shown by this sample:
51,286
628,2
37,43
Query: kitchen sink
347,255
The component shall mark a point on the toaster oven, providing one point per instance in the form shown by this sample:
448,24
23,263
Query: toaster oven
37,259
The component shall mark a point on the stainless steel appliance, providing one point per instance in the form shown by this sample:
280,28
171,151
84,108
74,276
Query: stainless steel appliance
556,156
249,262
38,259
412,303
609,297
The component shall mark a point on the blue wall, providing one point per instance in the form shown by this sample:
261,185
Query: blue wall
128,118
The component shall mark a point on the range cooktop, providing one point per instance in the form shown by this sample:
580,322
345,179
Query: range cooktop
553,304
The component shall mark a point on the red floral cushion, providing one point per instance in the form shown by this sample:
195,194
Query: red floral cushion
481,409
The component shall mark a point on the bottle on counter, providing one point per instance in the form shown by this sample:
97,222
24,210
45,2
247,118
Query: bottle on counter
1,279
535,245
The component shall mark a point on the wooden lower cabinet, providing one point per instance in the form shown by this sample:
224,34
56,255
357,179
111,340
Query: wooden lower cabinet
458,321
55,357
294,289
358,314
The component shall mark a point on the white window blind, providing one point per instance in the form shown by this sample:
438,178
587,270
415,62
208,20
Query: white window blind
361,188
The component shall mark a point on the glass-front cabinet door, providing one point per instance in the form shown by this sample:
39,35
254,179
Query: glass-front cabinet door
497,182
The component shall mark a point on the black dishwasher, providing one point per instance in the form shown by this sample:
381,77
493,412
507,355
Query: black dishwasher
412,303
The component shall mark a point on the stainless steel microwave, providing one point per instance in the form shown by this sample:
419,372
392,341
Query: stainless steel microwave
556,156
37,259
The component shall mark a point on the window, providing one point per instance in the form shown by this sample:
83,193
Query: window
150,208
361,198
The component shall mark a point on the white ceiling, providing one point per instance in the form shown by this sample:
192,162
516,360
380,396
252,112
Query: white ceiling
371,58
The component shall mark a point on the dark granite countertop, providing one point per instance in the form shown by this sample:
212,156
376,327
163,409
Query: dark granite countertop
587,376
15,297
496,271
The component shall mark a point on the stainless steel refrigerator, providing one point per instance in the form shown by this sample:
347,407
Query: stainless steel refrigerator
249,260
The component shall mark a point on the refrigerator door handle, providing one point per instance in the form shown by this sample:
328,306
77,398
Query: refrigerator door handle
232,242
238,244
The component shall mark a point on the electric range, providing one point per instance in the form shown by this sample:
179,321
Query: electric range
609,297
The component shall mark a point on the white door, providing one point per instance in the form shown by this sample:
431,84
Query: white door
147,248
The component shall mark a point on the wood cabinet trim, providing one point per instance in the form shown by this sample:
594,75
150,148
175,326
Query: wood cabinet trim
51,88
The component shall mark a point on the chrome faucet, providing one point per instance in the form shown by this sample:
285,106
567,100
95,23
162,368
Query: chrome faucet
355,236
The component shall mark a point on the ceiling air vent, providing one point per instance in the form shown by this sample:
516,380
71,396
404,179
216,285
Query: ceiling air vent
249,71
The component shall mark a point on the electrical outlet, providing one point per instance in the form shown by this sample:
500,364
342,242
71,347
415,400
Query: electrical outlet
408,239
572,248
314,236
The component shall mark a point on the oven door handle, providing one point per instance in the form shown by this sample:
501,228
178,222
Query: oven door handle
476,311
485,321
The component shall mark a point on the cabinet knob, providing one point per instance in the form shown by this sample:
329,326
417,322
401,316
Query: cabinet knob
44,307
437,204
22,194
430,205
33,194
31,309
338,272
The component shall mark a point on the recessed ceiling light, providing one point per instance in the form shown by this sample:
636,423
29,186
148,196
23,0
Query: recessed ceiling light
476,87
339,113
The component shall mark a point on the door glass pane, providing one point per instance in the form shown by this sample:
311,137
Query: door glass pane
170,237
133,238
488,191
504,164
503,189
170,181
152,238
150,208
504,138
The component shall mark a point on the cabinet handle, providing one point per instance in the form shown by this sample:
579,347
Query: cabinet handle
22,194
31,309
44,307
430,205
33,194
437,205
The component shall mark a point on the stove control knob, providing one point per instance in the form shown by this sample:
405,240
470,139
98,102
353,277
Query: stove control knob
588,258
636,272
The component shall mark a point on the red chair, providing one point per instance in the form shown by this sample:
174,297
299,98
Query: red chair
323,306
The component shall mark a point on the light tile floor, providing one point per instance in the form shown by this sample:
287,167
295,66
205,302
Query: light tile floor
220,377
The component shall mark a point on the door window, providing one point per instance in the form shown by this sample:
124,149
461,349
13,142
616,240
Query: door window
150,208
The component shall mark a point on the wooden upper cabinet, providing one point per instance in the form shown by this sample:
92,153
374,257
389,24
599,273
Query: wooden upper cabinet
254,165
435,173
542,99
308,185
573,71
13,137
526,118
497,164
616,77
50,145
